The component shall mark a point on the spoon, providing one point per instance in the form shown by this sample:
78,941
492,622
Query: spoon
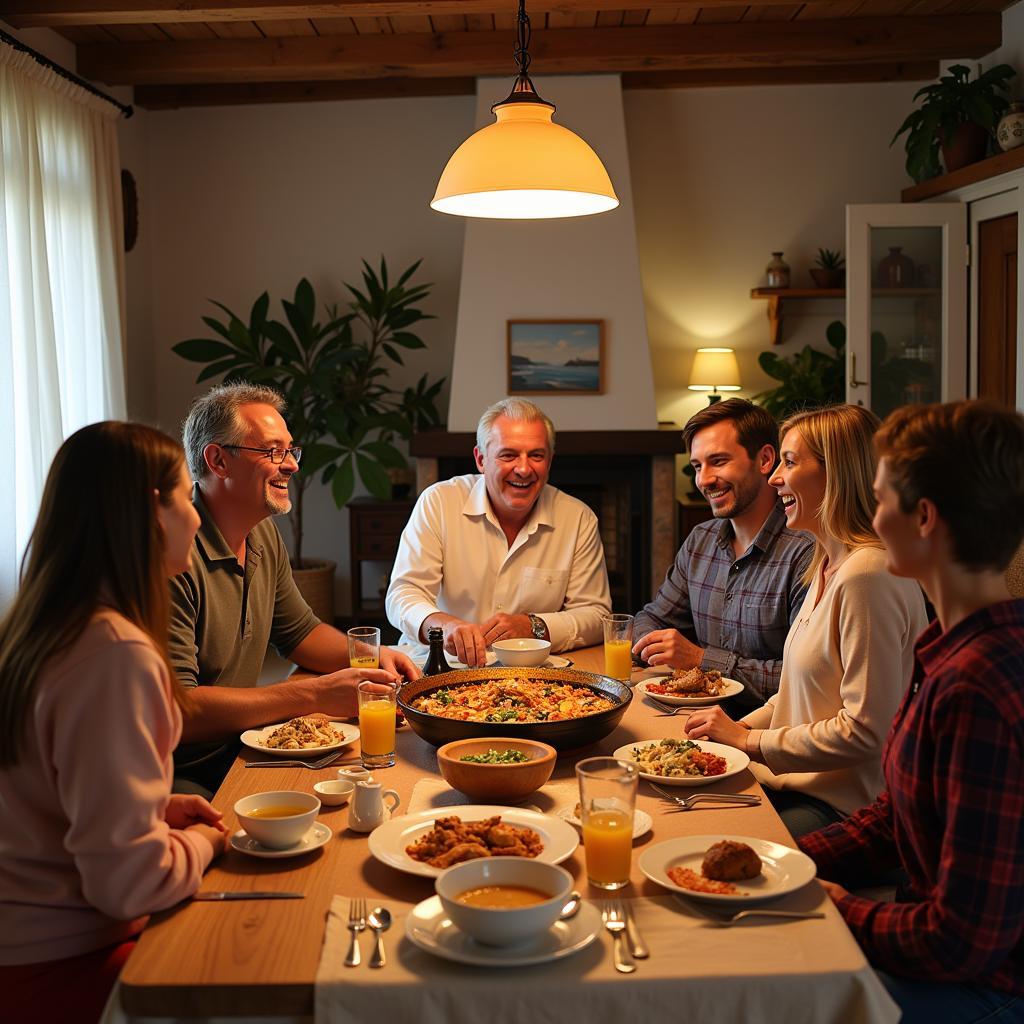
379,921
572,906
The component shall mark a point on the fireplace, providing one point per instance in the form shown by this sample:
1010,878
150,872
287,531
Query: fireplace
625,477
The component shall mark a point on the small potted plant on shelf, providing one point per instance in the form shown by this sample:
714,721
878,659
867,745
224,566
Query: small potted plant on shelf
828,270
958,116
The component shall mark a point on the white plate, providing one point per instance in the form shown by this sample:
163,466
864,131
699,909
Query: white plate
784,869
316,837
733,686
388,841
642,821
556,661
428,927
735,762
256,739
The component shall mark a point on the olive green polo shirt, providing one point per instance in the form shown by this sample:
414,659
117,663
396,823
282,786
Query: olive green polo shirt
224,616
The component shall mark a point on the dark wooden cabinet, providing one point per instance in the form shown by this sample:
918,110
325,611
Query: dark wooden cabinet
375,528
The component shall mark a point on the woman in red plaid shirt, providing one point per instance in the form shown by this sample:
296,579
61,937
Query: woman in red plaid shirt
950,489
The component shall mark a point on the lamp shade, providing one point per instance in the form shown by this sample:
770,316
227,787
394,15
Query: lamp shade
715,369
524,166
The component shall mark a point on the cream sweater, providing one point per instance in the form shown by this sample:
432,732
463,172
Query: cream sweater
845,667
84,851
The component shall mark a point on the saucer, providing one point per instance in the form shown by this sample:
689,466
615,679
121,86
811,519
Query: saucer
428,927
642,821
316,837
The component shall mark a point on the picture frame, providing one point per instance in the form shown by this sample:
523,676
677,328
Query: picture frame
556,357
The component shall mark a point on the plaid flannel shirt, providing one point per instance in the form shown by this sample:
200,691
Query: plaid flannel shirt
738,609
952,814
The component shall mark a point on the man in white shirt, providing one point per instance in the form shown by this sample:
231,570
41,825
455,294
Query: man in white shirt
501,554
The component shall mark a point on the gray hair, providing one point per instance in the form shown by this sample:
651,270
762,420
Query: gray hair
513,409
214,419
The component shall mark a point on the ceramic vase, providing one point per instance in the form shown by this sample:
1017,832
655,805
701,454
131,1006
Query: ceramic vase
1010,132
895,270
777,271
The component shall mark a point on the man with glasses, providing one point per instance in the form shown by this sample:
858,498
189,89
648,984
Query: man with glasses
239,595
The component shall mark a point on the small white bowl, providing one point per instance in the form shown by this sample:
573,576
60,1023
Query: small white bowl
504,927
523,650
333,792
277,833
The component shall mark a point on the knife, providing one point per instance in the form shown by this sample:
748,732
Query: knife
636,940
239,895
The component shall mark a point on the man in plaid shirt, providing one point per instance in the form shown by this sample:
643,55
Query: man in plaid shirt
737,582
951,948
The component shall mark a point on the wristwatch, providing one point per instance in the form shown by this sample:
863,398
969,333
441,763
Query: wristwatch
537,625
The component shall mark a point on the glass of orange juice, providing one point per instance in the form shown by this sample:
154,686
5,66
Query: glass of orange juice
618,646
377,712
364,647
607,802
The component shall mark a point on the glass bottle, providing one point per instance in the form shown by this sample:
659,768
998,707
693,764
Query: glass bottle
436,661
777,271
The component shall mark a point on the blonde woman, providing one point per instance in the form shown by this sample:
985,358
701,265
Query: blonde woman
816,745
91,840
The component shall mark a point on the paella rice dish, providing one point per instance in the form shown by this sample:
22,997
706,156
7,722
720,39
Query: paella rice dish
674,758
452,841
513,701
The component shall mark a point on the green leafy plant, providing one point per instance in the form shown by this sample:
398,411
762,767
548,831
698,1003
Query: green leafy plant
952,101
830,259
812,379
334,376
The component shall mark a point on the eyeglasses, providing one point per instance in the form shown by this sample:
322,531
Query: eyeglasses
276,455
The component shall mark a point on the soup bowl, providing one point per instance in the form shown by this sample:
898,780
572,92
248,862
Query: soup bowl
504,926
523,650
256,814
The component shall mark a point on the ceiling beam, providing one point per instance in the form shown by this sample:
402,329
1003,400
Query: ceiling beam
558,51
172,97
42,13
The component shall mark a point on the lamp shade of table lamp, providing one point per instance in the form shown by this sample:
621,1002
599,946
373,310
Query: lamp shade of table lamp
715,370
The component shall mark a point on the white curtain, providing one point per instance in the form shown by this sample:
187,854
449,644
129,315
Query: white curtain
61,281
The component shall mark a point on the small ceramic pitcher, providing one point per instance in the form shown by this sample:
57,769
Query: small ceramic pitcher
367,809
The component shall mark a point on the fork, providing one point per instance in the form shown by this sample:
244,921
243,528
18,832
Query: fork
687,803
615,922
323,762
731,919
356,924
668,710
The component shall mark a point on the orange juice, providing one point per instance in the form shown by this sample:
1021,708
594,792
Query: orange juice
608,845
377,727
363,661
618,659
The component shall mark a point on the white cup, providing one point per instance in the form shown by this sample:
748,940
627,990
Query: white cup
277,833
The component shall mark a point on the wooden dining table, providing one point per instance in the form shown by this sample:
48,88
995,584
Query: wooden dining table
253,958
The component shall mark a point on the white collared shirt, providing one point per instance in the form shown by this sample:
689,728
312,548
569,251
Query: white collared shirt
454,558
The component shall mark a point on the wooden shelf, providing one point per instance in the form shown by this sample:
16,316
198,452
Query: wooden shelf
775,297
1001,163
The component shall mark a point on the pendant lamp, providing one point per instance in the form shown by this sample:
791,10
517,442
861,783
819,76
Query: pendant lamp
524,166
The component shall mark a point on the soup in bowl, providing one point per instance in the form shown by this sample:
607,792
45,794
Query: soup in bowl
501,901
279,819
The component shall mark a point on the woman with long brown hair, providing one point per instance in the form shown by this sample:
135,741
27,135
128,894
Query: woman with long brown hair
816,745
91,840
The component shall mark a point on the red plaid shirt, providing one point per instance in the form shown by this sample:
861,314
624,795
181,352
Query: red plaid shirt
952,814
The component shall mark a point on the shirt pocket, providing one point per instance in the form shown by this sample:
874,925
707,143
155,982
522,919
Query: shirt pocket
542,590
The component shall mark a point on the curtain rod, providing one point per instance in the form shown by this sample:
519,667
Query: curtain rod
40,58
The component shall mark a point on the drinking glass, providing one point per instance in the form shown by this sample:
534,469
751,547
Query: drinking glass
377,711
364,647
607,802
618,646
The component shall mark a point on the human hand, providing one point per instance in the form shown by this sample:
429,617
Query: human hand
668,647
506,627
185,809
399,664
466,641
218,838
335,693
715,725
835,891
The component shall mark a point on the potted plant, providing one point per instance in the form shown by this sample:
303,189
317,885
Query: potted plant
828,271
958,115
334,376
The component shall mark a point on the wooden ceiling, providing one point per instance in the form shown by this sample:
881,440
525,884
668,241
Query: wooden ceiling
198,52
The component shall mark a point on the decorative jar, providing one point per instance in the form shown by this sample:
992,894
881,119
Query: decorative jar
1010,131
777,271
895,270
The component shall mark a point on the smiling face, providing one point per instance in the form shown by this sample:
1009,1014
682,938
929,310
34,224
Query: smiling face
179,521
800,481
515,467
254,480
725,474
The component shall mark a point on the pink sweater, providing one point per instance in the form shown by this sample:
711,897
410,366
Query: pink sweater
85,853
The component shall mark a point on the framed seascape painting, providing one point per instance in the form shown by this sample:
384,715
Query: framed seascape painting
555,357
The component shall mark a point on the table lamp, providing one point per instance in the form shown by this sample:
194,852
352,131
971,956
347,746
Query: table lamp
714,370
